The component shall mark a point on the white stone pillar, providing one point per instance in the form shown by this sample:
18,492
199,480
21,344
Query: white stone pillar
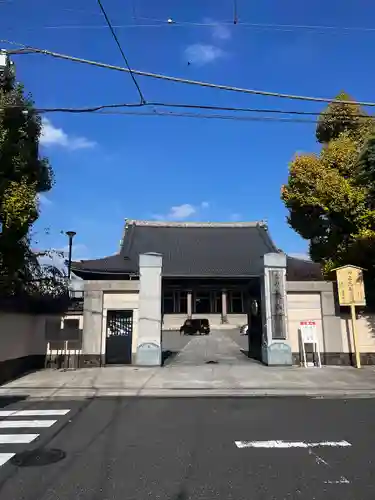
189,304
224,308
149,323
275,347
92,354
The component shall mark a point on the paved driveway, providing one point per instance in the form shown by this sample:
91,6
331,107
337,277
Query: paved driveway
216,348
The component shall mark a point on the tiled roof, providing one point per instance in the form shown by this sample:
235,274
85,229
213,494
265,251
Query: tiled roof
302,270
192,249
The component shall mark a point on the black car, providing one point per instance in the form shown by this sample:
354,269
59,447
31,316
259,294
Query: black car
193,326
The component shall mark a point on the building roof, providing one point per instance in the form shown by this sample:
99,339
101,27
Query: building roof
192,249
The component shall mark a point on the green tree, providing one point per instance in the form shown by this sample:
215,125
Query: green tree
330,195
341,117
23,174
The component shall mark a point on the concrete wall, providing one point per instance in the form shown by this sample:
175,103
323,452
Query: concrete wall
303,307
365,336
315,301
149,349
22,344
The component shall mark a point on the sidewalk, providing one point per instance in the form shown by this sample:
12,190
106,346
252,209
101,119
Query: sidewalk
209,380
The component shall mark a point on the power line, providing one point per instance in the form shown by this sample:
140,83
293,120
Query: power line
104,107
161,23
250,110
213,116
121,51
184,80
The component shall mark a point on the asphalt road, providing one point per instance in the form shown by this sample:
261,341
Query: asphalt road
185,449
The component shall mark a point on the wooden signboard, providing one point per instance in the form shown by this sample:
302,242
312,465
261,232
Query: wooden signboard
351,292
351,289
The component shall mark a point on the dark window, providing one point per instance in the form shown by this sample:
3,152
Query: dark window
217,302
183,302
235,303
71,323
202,303
168,303
53,329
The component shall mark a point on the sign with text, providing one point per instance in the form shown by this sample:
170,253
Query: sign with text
309,336
350,286
308,332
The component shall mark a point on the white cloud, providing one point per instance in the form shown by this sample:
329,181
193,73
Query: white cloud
301,256
79,251
221,32
43,200
53,136
181,212
57,257
200,53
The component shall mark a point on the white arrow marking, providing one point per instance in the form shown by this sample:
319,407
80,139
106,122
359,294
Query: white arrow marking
14,424
32,413
17,438
290,444
4,457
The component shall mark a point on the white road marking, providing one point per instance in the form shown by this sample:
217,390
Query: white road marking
17,438
32,413
289,444
342,480
5,424
4,457
320,460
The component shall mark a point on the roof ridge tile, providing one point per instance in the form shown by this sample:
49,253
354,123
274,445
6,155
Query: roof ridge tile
152,223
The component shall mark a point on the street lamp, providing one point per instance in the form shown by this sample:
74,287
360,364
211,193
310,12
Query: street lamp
70,235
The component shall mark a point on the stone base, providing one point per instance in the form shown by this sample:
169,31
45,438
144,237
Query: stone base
338,358
277,354
14,368
94,360
149,354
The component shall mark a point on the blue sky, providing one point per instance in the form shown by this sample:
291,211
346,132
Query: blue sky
111,167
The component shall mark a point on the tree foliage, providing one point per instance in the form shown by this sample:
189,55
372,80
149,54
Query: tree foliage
341,118
330,195
24,173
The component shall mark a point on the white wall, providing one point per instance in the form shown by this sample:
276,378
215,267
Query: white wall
303,307
365,332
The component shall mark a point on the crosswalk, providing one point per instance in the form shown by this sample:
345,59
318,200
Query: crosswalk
17,420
